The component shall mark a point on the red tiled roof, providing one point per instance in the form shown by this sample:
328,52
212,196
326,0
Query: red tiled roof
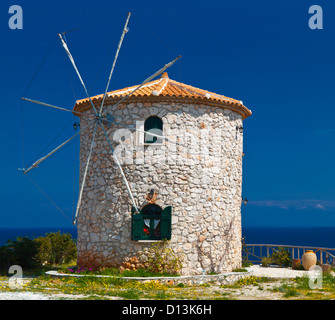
165,89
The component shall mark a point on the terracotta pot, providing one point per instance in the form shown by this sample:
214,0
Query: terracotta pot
296,263
326,268
308,259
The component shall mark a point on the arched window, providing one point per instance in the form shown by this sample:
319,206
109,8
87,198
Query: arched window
151,215
153,125
152,223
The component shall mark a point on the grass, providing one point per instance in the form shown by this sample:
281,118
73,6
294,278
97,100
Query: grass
240,270
93,288
252,280
116,272
299,288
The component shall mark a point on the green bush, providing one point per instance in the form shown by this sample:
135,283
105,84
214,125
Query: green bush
55,248
281,257
4,258
266,261
18,252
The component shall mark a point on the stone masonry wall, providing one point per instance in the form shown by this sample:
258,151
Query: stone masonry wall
200,176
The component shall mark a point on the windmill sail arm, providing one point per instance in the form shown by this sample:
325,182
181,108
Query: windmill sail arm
39,161
56,107
76,69
45,104
168,65
121,170
35,164
147,80
84,177
125,30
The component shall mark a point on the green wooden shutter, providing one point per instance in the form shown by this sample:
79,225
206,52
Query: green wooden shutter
166,223
137,225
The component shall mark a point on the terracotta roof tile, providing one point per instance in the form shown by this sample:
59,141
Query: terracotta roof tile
165,89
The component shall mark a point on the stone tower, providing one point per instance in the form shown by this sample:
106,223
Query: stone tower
187,185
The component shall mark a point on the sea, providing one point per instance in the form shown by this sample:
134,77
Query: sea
312,236
32,233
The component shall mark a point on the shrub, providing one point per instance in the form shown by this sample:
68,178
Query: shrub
20,252
240,270
282,257
4,258
266,261
55,248
160,258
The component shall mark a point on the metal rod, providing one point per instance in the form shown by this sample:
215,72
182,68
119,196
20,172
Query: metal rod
84,176
121,170
35,164
147,80
39,161
76,69
56,107
125,30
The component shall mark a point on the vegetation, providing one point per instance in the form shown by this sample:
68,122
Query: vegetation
50,250
56,249
117,272
281,257
91,287
160,258
18,252
157,261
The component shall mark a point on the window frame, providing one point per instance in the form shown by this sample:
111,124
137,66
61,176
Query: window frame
137,224
160,125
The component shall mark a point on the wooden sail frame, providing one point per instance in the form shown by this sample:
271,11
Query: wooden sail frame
99,119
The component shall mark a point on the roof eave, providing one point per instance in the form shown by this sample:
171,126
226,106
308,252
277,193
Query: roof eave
84,105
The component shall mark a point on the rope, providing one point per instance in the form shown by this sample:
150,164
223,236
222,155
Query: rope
68,141
161,41
76,160
168,65
77,71
26,90
22,131
92,24
68,74
41,190
39,67
101,67
51,142
155,36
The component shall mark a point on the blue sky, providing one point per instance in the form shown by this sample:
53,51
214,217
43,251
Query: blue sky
256,51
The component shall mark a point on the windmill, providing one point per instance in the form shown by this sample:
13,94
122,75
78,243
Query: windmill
99,118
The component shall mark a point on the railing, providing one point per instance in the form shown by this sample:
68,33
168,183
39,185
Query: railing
255,252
